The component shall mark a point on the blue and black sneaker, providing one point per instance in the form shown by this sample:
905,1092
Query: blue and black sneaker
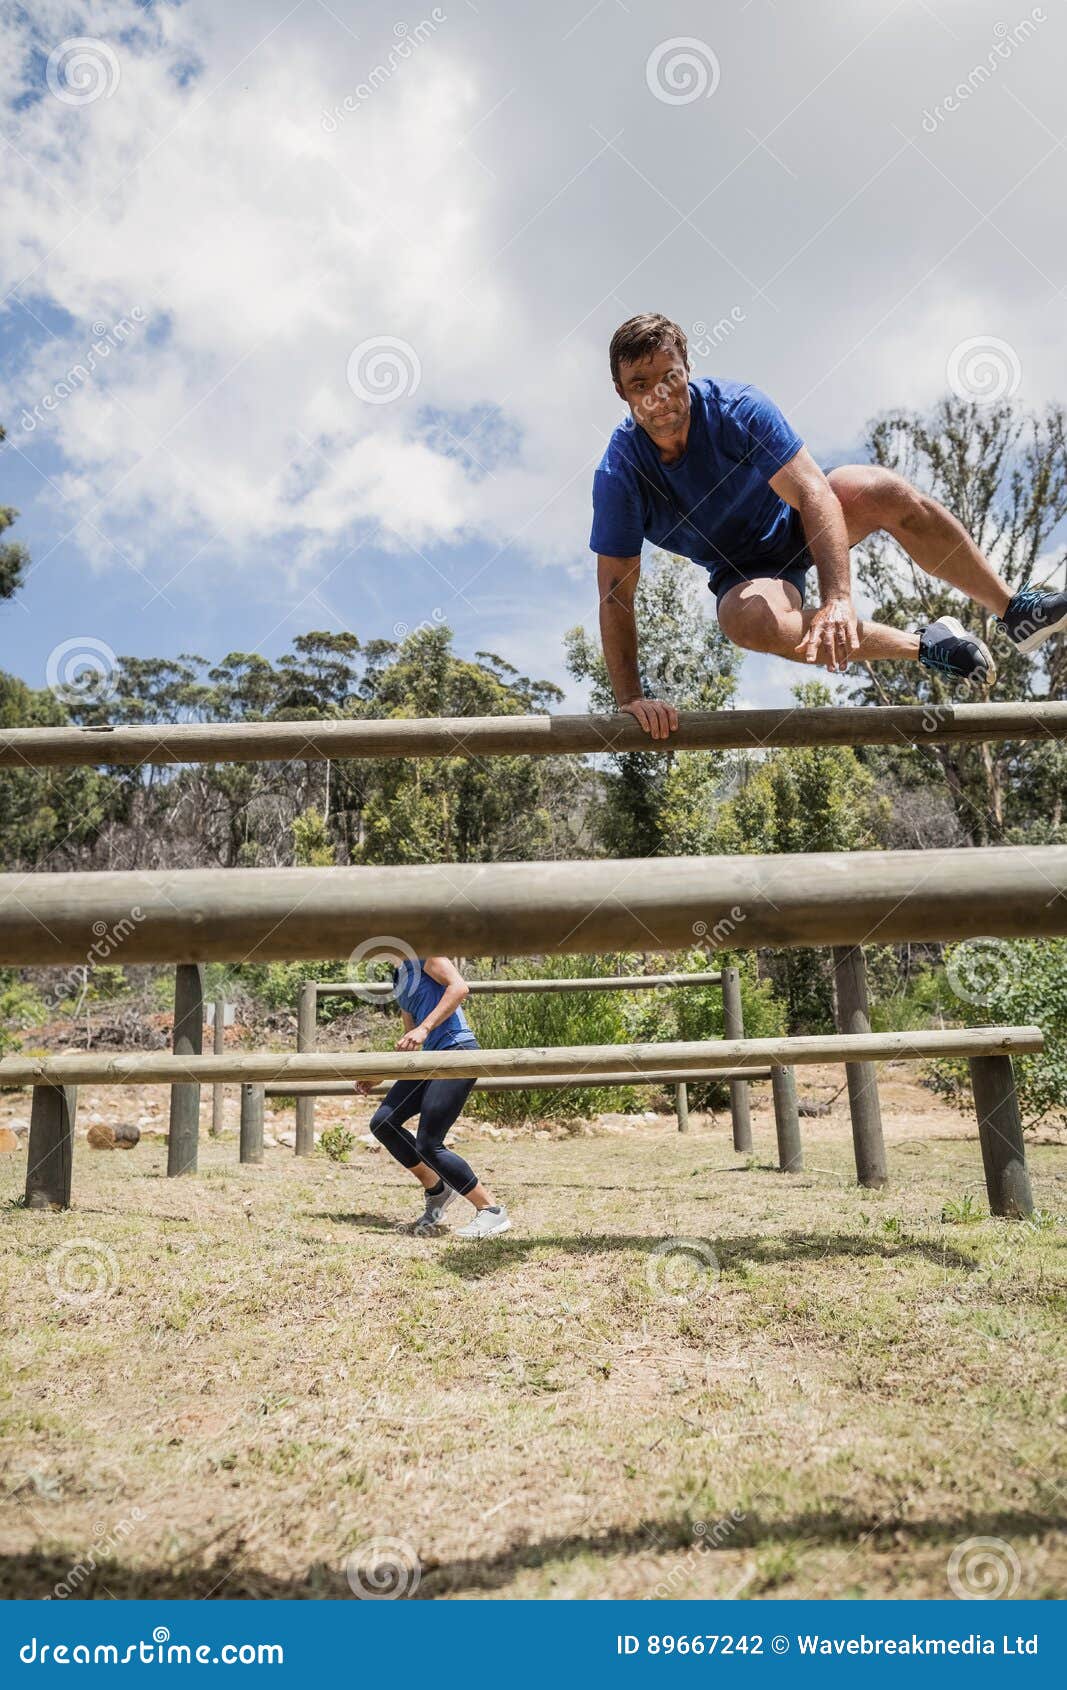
1032,617
946,647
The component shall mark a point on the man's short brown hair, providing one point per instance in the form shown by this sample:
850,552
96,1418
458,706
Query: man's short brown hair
641,336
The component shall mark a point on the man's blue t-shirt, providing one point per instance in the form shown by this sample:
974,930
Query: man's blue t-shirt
713,504
418,994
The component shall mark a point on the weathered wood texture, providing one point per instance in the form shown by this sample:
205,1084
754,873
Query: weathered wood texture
536,736
486,909
591,1061
593,983
853,1016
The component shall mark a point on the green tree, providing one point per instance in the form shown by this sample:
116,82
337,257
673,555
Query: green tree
48,817
813,798
462,808
685,658
13,555
311,846
1004,475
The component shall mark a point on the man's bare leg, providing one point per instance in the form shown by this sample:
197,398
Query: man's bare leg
873,498
766,616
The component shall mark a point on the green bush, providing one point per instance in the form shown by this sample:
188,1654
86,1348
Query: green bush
921,1006
549,1019
276,985
695,1012
20,1004
664,1014
337,1142
1001,982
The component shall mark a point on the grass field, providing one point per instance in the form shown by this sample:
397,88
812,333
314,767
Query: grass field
248,1384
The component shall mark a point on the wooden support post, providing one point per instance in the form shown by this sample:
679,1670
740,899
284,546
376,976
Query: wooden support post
787,1120
50,1154
681,1103
734,1028
306,1031
251,1123
853,1016
218,1093
1001,1133
188,1040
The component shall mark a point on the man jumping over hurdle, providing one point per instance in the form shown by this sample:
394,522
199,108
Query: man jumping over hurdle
712,470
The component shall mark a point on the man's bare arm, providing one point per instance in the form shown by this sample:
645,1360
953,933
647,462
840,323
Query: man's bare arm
832,637
617,579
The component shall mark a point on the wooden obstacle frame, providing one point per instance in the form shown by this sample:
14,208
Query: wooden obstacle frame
841,901
989,1049
311,991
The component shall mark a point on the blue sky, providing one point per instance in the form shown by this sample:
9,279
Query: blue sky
345,278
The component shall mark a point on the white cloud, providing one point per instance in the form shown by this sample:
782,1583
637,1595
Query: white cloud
505,196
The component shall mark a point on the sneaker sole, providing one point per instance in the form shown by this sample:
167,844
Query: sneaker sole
1038,639
476,1237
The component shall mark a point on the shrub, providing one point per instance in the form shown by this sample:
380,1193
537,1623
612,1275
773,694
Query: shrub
1021,982
549,1019
337,1142
656,1016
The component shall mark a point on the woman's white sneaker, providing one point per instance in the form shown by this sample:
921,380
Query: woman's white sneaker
486,1223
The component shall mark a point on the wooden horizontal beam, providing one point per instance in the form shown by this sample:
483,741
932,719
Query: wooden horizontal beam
513,909
138,1068
533,1082
534,736
594,983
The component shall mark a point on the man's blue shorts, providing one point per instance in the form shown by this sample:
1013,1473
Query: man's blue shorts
794,569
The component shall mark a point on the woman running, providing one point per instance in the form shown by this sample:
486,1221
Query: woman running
430,992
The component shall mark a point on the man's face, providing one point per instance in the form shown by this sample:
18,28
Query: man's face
657,392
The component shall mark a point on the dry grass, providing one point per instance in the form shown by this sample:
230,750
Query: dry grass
274,1377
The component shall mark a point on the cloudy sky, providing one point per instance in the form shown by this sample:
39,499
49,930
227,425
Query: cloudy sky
340,281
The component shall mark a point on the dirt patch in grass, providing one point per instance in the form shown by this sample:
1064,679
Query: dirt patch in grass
680,1375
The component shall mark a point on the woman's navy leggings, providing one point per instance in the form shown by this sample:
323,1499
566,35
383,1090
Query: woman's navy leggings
438,1104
